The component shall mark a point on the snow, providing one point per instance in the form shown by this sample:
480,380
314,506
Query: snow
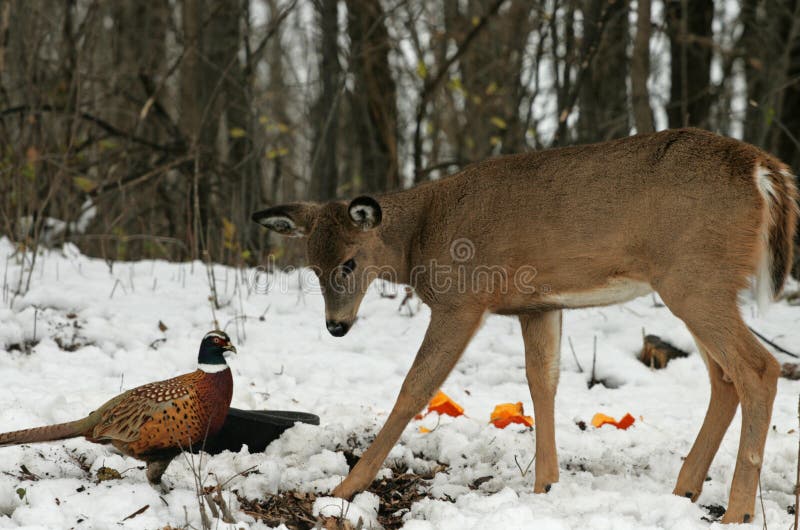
109,316
363,508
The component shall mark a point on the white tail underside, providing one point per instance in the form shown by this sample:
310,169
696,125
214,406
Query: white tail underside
762,280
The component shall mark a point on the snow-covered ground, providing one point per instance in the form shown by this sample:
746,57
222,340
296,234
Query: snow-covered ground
110,318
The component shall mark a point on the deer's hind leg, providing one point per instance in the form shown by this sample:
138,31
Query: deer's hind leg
712,315
721,409
542,335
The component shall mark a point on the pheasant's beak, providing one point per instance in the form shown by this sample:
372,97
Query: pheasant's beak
230,348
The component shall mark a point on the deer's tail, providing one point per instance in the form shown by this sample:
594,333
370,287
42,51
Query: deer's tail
778,187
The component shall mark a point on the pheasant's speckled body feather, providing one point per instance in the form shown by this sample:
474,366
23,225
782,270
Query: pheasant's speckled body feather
166,416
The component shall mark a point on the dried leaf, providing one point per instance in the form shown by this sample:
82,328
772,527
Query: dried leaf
422,70
455,84
85,184
107,473
32,155
498,122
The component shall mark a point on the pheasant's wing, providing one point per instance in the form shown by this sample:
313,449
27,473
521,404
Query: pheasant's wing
122,418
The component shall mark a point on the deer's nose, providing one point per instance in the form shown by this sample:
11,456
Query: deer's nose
337,329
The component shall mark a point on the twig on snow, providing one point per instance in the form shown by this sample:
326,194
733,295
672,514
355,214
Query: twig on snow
574,355
765,339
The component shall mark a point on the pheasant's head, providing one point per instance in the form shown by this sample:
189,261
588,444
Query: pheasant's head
215,347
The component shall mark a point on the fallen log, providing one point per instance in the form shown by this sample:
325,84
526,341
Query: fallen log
656,352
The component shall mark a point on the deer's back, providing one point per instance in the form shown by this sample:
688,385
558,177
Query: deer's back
587,213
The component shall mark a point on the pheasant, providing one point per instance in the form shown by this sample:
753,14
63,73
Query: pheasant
155,422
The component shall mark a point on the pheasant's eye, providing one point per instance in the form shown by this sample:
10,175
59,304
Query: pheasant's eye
217,340
348,266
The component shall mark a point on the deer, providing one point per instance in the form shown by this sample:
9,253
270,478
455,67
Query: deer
690,215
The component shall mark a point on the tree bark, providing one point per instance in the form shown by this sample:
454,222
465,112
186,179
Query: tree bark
690,38
491,73
324,174
603,91
139,55
5,12
282,182
785,138
759,41
373,98
200,111
640,70
242,182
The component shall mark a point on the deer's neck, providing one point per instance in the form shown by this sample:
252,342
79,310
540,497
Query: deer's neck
403,213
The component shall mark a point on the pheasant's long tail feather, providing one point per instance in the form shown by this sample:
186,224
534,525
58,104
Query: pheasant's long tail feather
45,434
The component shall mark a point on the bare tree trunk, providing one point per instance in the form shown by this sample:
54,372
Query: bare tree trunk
563,70
603,91
759,41
241,184
138,57
136,62
324,175
640,70
786,130
520,25
770,41
491,71
771,46
433,82
5,13
788,141
447,121
690,38
198,81
784,138
282,183
373,97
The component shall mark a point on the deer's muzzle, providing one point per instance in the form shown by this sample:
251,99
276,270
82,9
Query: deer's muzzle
336,328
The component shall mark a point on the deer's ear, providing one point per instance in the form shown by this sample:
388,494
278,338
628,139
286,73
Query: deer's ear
365,212
291,220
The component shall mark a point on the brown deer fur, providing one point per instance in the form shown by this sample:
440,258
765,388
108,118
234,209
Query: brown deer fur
686,213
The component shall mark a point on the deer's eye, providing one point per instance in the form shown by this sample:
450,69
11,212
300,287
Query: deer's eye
348,267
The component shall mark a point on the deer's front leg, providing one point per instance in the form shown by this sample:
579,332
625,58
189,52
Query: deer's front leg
542,335
448,334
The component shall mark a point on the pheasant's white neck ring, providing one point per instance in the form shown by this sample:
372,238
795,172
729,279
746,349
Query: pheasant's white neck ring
212,368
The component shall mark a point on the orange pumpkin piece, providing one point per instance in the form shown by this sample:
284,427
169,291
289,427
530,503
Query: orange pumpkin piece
445,406
626,421
508,413
599,419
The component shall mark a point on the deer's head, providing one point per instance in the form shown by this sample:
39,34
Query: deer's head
342,248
